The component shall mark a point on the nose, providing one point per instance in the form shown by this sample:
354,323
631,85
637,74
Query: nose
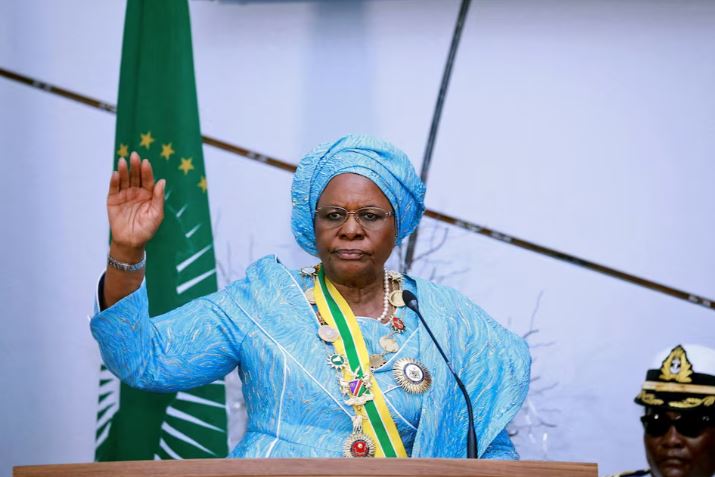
352,229
673,438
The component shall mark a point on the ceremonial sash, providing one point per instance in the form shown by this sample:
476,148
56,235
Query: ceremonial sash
377,421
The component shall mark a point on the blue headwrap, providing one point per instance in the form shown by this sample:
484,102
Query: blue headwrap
381,162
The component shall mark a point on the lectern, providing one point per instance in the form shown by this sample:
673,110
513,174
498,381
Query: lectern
313,467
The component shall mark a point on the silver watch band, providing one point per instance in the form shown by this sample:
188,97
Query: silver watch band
126,267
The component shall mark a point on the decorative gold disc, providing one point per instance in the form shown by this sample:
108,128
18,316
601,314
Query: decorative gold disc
377,360
310,296
389,344
328,333
396,298
411,375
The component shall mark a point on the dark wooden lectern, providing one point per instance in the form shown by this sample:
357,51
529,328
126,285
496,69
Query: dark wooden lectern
313,467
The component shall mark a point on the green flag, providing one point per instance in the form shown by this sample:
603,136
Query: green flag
157,115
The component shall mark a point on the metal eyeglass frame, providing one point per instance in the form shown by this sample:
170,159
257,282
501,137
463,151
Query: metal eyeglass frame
355,213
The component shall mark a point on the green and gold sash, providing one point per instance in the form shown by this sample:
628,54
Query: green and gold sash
377,421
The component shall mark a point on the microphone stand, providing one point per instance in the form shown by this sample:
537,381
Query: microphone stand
411,301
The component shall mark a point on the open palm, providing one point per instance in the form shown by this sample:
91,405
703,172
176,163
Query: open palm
135,203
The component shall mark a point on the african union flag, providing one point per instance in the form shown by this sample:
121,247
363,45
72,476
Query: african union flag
157,115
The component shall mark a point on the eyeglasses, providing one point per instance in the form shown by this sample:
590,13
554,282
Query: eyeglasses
371,218
688,425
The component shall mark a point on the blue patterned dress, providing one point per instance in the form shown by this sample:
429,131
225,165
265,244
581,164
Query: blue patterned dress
264,325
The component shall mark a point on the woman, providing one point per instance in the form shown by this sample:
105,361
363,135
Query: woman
331,360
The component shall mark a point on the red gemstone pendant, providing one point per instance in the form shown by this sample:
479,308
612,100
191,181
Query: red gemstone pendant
359,448
359,445
398,325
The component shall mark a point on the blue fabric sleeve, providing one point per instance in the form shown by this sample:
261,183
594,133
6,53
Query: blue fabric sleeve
501,448
190,346
497,370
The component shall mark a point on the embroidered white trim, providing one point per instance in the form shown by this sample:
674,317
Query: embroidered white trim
397,353
398,413
280,347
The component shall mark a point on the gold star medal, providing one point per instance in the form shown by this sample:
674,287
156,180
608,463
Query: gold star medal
411,375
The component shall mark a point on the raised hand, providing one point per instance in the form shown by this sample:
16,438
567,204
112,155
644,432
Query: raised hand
135,206
135,203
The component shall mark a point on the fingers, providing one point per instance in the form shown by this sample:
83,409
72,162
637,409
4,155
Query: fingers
114,183
123,171
147,175
135,170
157,200
137,173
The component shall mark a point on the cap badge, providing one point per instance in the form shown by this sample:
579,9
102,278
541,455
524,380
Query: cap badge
676,366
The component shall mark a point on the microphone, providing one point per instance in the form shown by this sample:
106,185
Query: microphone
411,301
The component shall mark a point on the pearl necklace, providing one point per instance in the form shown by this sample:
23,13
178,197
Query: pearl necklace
386,299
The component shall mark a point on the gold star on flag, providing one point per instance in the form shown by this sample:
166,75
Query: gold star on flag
202,184
123,150
186,165
166,151
146,140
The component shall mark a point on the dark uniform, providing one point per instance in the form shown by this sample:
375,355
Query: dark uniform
631,473
679,394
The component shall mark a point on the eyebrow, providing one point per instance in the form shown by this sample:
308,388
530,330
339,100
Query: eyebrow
361,207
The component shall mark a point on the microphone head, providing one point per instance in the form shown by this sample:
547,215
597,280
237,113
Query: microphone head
410,300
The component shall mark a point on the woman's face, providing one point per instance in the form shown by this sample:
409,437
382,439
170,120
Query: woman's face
351,254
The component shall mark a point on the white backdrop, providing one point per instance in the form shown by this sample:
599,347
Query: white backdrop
585,126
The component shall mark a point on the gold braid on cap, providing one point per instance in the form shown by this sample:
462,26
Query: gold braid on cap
649,399
692,402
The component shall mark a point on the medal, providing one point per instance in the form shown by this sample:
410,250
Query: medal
359,400
411,375
358,386
389,344
328,333
349,357
396,298
377,360
336,361
398,326
358,444
308,271
310,296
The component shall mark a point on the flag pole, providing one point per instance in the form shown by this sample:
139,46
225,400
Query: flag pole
433,214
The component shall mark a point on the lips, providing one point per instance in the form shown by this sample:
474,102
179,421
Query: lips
349,253
672,462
